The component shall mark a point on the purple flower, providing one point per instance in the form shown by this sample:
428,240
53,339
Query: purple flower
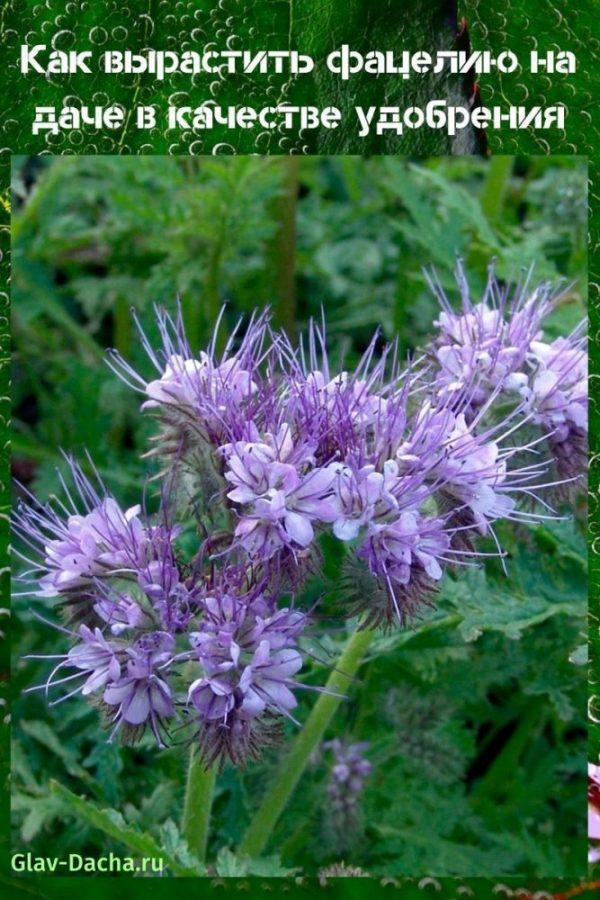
336,412
258,685
344,394
496,345
172,599
393,550
280,501
344,789
248,657
188,384
474,471
350,767
104,541
557,397
96,657
485,345
80,548
141,695
363,495
208,397
120,611
411,464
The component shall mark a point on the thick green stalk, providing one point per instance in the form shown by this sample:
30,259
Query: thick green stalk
284,245
307,739
197,805
496,185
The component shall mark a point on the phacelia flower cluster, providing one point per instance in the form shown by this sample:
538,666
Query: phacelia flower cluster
347,776
496,349
177,627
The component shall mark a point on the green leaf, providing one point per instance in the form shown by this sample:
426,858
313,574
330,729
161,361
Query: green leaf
177,848
114,825
39,813
107,762
228,865
484,606
42,732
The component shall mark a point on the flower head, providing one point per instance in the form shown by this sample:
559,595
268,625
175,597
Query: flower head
248,658
267,447
496,347
142,695
484,346
347,775
81,547
205,396
557,397
336,411
280,500
407,554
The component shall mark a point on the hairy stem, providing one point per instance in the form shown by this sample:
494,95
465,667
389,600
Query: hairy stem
308,738
197,805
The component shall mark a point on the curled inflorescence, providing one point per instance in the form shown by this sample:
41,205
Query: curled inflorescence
269,447
348,772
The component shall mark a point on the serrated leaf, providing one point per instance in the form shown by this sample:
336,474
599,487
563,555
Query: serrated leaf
177,847
114,825
106,760
228,865
484,606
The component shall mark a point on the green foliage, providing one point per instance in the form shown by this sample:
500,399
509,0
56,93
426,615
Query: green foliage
476,715
528,597
228,865
171,849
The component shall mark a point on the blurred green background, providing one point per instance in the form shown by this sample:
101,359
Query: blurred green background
477,718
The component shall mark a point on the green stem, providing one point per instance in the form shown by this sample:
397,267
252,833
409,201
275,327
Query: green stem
285,245
491,199
197,805
294,763
495,186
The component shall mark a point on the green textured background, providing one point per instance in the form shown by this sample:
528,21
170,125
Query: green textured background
314,26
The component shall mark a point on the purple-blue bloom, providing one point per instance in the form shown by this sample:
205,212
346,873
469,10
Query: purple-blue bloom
496,348
97,659
347,775
180,620
248,658
557,395
407,554
207,396
484,346
121,612
87,539
280,500
142,695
